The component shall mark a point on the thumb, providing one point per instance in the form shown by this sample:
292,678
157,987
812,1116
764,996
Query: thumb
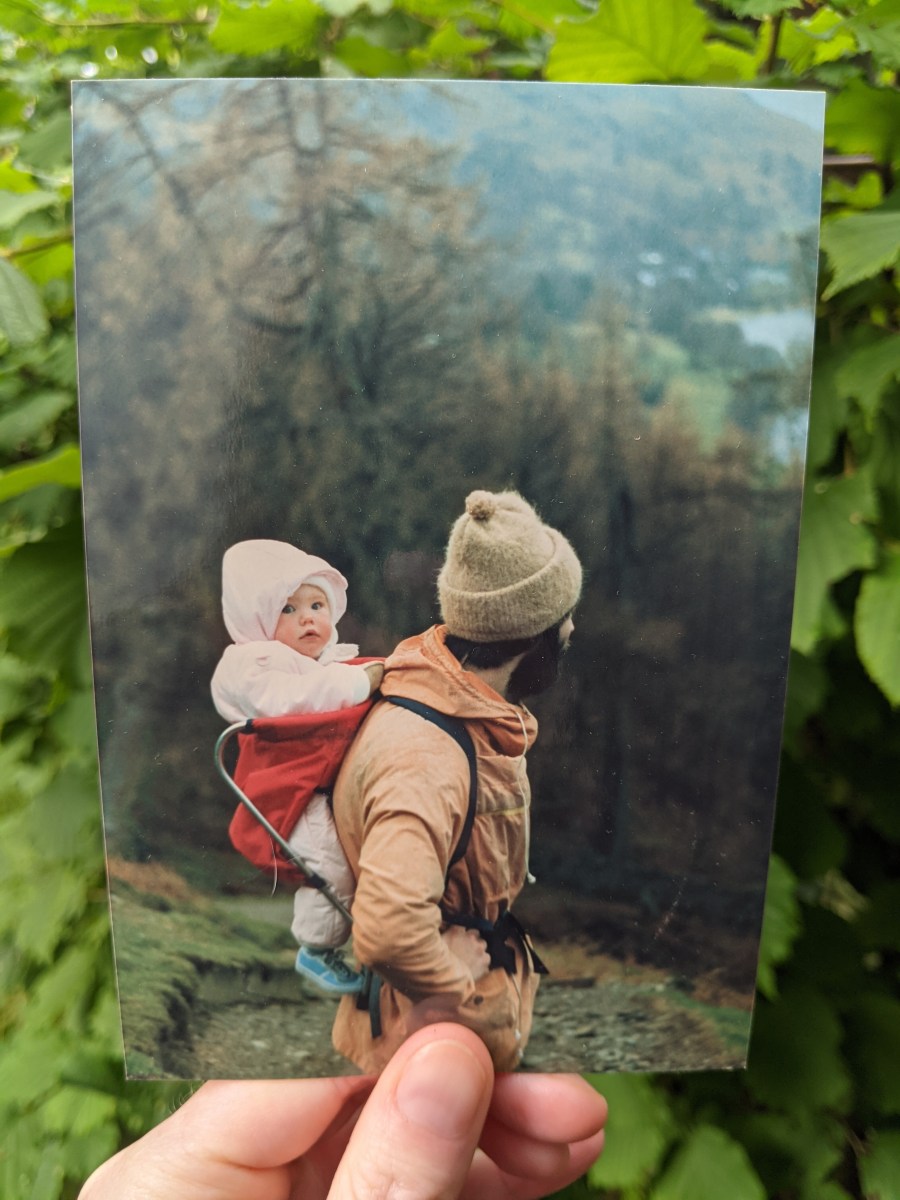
419,1129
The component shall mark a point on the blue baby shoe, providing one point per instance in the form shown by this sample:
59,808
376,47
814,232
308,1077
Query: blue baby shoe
327,970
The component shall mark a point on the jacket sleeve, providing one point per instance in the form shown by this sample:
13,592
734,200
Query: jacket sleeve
255,680
412,819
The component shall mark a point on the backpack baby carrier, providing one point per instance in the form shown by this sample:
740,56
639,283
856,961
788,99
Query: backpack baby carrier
284,761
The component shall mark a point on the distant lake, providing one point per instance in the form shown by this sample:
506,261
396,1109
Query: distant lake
778,329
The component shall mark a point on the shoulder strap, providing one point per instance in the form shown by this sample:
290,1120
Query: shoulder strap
456,729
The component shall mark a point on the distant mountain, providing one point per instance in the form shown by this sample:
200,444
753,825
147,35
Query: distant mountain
616,183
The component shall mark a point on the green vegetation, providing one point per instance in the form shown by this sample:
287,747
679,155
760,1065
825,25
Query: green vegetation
164,948
815,1116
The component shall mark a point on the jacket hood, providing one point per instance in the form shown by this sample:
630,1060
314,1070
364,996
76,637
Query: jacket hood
257,578
422,668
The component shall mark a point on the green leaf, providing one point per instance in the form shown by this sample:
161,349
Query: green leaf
11,105
829,953
16,205
827,407
876,623
827,1190
878,926
806,834
631,41
833,542
821,39
47,263
884,815
29,419
77,1111
449,45
639,1130
53,361
24,689
549,12
49,146
879,1166
62,467
860,246
877,29
364,58
794,1153
73,722
708,1166
29,1165
781,924
30,517
22,315
288,25
61,819
864,120
48,634
885,463
795,1062
48,1181
44,918
30,1068
873,1047
757,8
51,1001
807,687
728,64
866,372
867,193
340,8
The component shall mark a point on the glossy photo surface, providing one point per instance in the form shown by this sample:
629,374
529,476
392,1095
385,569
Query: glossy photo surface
324,312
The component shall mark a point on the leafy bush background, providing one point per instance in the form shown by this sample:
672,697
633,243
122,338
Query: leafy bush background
817,1115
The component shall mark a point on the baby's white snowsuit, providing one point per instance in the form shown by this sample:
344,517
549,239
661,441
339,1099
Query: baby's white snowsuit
259,677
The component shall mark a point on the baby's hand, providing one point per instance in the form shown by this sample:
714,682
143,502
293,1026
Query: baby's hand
468,946
375,672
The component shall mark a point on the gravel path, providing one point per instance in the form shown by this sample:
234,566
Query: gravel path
277,1029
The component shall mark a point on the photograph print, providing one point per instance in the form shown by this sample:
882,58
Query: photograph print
443,450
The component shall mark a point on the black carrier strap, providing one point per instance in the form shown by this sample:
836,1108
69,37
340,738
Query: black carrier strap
496,935
369,995
456,729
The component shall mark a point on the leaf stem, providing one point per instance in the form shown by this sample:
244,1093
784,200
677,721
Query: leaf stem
38,247
528,18
771,57
115,23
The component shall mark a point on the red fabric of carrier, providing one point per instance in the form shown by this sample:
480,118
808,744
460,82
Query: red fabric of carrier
281,764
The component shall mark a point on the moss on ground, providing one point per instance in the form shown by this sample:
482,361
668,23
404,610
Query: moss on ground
162,951
731,1024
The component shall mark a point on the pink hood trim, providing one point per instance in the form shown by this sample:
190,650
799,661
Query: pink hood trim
257,578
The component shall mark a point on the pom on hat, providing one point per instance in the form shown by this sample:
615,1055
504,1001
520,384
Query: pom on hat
506,575
481,505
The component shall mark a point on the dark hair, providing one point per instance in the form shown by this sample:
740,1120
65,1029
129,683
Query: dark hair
485,655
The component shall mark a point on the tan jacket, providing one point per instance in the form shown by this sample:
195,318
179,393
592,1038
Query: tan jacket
400,802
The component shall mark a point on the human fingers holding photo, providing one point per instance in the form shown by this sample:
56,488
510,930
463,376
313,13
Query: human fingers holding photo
470,948
438,1125
417,1135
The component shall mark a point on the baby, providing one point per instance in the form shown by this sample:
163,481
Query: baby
281,607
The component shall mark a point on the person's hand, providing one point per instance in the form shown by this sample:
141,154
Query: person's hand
375,672
470,948
412,1133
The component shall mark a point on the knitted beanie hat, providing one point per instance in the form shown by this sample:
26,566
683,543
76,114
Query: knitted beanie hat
506,574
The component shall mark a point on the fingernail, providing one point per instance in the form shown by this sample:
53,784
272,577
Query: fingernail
442,1088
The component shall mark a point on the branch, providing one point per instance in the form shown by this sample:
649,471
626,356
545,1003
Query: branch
771,57
58,239
116,23
528,18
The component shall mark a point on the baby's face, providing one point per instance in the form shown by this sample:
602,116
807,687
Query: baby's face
305,621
